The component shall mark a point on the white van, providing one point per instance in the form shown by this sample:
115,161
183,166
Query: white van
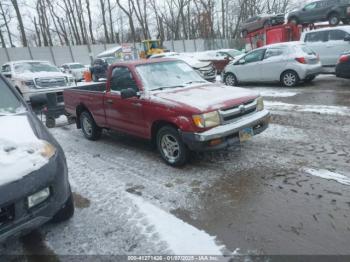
329,43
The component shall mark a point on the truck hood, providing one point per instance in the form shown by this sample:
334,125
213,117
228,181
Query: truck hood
30,76
20,149
205,98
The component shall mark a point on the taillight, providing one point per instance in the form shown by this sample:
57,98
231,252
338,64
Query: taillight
344,59
301,60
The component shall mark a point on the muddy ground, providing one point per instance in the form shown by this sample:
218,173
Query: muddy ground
266,197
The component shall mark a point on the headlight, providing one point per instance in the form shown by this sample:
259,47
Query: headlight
38,197
48,150
29,83
260,104
207,120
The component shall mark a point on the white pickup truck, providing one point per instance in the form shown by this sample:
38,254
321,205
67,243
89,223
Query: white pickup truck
36,77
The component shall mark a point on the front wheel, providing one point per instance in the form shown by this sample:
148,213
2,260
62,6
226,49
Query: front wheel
230,80
90,129
290,79
171,147
334,19
66,212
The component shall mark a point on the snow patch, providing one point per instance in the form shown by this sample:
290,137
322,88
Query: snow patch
326,174
274,93
284,133
181,237
320,109
20,149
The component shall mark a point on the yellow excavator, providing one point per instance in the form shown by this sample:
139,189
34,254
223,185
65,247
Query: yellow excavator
151,47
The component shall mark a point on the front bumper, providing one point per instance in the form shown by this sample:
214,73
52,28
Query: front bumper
310,70
53,175
229,133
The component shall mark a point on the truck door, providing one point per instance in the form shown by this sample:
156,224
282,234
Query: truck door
125,115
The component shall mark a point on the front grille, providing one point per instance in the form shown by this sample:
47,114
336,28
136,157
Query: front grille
7,214
229,115
50,82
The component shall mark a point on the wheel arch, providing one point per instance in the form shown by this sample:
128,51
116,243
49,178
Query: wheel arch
157,125
79,110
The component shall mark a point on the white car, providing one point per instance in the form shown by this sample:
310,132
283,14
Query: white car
287,63
75,69
205,69
31,77
329,43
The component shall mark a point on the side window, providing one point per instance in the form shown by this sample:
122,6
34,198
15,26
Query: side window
255,56
5,69
122,79
310,6
335,35
273,52
316,37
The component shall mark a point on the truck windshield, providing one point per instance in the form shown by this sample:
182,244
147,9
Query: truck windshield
167,75
34,67
9,103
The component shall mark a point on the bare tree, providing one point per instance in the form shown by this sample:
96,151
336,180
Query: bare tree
20,23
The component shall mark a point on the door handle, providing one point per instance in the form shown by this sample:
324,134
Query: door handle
109,101
137,104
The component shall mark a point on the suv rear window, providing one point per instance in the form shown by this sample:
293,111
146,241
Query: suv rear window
9,103
316,36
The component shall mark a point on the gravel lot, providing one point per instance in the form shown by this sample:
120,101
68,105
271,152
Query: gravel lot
284,192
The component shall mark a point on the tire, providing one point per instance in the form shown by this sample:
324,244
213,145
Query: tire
66,212
230,79
293,20
88,125
334,19
50,122
309,79
267,24
171,147
244,33
290,78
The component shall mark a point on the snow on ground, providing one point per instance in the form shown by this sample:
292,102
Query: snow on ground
274,93
283,133
320,109
181,237
326,174
20,149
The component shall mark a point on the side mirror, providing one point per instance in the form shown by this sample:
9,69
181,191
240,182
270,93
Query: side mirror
128,93
347,38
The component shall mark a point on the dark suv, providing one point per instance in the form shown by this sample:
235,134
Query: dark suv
332,11
34,186
261,21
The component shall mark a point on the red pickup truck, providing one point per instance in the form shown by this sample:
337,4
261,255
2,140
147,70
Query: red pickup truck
167,102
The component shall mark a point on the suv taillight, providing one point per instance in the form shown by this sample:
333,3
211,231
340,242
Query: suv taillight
301,60
344,59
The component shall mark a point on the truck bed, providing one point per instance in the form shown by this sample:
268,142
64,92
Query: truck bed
89,96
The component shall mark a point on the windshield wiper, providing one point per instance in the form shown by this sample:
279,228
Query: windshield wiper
193,82
166,87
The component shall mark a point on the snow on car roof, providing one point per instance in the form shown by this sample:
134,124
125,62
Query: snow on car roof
110,51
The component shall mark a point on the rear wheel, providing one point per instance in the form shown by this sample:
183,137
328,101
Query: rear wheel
50,122
334,19
90,129
171,147
230,79
309,79
290,78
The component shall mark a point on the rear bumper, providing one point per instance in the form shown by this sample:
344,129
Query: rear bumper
54,175
228,134
343,70
311,70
